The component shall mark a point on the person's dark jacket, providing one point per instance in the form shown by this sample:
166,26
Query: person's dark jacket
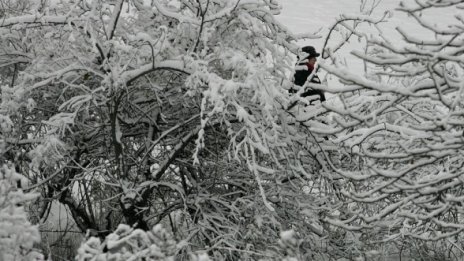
302,72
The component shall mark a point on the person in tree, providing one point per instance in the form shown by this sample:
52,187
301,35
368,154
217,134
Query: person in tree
304,68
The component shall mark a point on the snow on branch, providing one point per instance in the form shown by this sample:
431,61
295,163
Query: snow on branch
17,234
398,126
34,19
126,243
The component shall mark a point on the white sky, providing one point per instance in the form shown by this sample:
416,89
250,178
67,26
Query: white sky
303,16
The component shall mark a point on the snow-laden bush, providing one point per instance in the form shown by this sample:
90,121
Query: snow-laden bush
127,243
17,234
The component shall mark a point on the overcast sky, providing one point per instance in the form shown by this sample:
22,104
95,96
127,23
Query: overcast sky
303,16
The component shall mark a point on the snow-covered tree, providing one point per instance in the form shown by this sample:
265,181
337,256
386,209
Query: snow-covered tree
399,128
147,112
177,113
17,234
